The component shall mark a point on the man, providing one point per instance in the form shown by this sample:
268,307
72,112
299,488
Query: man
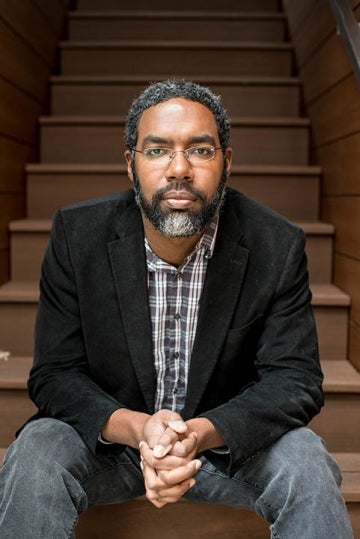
176,352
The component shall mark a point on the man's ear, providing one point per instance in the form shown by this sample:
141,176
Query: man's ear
228,161
129,160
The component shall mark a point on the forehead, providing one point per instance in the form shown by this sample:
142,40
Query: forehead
177,119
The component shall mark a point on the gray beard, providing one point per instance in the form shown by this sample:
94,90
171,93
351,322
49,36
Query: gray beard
177,223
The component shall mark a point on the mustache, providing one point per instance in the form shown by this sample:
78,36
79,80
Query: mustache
178,186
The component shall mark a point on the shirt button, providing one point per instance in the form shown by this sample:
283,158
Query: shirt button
177,316
176,355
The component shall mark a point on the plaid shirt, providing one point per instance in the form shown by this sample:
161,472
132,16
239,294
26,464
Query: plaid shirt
174,295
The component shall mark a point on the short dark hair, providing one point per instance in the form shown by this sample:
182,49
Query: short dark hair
159,92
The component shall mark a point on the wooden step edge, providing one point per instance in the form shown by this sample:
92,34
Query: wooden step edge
19,292
30,225
230,80
253,170
351,479
329,295
324,295
272,122
340,376
317,228
311,228
175,15
175,44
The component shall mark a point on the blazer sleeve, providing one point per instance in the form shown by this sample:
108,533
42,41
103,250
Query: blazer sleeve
288,392
60,384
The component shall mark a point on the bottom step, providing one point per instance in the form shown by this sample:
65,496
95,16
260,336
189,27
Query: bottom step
134,519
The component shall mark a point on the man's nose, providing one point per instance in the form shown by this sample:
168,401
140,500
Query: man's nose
179,168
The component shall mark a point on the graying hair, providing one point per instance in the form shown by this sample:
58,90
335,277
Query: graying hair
159,92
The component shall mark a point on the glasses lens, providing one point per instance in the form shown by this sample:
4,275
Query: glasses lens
158,155
198,154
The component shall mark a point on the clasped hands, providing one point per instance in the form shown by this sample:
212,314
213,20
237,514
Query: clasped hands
168,462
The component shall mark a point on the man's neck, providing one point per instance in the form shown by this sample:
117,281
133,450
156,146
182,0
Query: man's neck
171,250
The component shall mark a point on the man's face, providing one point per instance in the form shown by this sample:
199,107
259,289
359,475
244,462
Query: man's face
178,197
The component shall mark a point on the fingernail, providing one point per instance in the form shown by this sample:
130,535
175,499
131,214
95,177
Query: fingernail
160,450
141,444
198,464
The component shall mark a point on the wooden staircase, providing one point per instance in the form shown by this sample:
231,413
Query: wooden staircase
241,52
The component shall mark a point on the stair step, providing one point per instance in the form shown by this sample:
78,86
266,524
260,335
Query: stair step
292,191
341,386
166,57
241,96
18,305
220,25
29,238
99,139
186,5
339,375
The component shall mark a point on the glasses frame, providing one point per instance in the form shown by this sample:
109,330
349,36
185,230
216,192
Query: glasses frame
172,154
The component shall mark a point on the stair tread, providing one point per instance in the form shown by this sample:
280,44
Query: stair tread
161,14
204,79
19,292
44,225
329,295
339,375
28,291
30,225
174,44
80,168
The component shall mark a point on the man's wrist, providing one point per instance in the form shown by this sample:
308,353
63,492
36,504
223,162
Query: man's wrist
125,427
208,436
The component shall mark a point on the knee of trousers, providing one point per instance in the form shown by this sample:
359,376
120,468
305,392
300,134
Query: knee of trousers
43,449
300,462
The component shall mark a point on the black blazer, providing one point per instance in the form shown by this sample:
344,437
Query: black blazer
254,368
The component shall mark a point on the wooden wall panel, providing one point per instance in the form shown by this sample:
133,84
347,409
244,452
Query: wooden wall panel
338,112
331,100
340,166
317,18
30,30
347,275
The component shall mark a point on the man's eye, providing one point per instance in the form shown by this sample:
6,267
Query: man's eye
155,152
201,151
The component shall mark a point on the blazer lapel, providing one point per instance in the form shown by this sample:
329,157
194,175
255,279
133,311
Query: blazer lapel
128,262
224,279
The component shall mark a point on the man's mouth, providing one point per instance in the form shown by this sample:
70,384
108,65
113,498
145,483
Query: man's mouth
179,199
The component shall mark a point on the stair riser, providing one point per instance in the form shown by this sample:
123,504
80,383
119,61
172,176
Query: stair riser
115,99
27,250
170,28
331,323
170,62
293,196
337,423
186,5
16,408
261,145
132,520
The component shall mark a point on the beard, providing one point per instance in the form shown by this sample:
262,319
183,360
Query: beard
174,223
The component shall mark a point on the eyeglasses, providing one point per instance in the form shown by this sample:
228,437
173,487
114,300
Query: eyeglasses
164,156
